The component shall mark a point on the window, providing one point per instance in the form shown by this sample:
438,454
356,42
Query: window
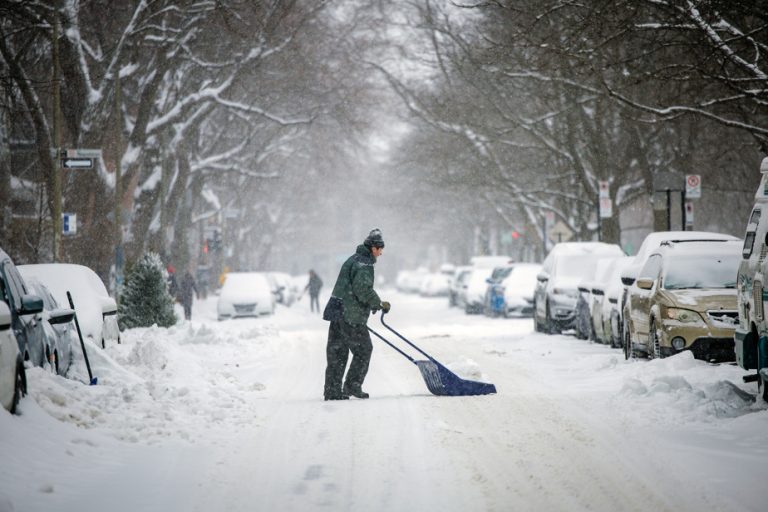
755,217
652,267
749,243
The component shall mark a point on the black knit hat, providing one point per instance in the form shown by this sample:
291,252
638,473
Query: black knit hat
374,239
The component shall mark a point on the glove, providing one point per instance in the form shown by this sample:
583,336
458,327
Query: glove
385,306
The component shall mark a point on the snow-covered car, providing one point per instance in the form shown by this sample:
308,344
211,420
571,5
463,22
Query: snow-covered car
282,288
409,281
557,284
13,379
651,242
518,288
25,310
605,311
435,285
595,293
585,306
490,262
59,328
456,283
686,300
96,311
245,294
475,286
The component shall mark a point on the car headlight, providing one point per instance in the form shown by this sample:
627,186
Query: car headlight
685,316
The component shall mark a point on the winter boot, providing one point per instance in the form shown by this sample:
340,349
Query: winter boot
355,391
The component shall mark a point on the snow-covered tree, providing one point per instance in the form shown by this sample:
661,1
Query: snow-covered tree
145,300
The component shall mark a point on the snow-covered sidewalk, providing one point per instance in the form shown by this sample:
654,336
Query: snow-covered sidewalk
229,416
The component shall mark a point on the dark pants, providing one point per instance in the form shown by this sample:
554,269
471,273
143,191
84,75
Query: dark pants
187,309
314,303
344,338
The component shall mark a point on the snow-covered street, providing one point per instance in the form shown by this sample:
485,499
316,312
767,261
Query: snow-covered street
229,416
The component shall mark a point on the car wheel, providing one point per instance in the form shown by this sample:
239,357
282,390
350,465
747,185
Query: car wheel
627,345
549,324
654,339
19,387
103,343
761,387
55,363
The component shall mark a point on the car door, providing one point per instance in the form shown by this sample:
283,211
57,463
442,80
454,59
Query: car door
641,299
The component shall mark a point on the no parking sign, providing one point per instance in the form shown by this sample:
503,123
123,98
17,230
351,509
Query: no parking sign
693,186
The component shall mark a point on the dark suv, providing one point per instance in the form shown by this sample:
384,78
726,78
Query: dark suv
25,313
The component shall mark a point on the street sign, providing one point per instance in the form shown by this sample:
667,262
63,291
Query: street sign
77,163
69,223
82,153
689,213
604,188
560,232
693,186
606,208
549,219
667,180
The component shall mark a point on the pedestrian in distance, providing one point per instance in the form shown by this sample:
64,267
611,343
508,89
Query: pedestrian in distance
186,289
314,285
352,300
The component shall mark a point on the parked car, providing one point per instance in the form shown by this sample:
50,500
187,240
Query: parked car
751,344
518,288
475,286
556,287
409,281
245,294
25,310
493,302
58,326
435,285
686,300
590,299
96,311
585,303
456,282
650,244
605,312
281,284
490,262
13,377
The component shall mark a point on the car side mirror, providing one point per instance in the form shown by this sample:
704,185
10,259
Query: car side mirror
61,316
645,283
30,304
542,276
108,306
489,281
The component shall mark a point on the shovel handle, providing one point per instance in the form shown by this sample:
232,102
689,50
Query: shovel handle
404,338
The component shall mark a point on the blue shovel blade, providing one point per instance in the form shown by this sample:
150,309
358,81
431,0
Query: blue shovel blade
443,382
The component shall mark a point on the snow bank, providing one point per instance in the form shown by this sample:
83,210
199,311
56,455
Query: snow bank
174,383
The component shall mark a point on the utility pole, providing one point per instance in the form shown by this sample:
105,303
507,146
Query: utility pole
56,213
119,255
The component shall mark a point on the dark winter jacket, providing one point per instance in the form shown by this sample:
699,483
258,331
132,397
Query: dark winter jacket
314,285
188,288
354,286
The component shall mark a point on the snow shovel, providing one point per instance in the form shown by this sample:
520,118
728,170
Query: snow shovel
94,380
440,380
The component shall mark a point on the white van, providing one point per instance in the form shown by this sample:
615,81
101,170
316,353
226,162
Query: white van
751,337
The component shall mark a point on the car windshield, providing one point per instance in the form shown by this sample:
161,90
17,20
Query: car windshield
702,271
576,265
